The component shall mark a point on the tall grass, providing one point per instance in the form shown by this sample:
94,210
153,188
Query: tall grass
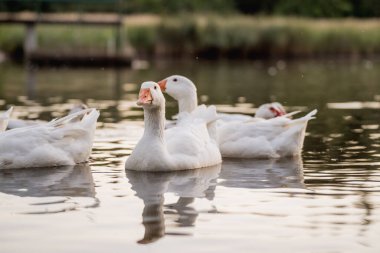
75,39
11,38
269,37
213,36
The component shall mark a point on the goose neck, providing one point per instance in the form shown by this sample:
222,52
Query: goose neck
188,103
154,120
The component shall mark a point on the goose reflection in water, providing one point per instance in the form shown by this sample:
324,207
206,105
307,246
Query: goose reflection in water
188,185
61,183
275,173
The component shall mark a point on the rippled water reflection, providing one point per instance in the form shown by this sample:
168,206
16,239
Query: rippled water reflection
328,201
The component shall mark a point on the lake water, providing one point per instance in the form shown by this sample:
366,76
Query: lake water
326,201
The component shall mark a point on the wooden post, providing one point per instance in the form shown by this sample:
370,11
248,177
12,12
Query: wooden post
119,26
30,41
118,40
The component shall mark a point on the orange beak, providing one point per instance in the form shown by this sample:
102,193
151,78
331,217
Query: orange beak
162,84
145,98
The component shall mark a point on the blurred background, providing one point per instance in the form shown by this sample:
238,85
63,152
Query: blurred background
188,28
238,53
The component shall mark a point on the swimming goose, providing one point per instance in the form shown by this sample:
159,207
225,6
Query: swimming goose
185,146
59,142
251,138
4,119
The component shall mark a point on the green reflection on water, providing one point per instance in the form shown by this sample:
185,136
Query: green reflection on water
306,83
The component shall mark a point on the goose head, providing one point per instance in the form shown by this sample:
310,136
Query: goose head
78,108
181,89
150,96
270,110
178,87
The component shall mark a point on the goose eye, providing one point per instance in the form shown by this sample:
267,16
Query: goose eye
155,87
175,79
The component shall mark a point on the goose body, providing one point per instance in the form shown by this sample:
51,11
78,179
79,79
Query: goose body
17,123
188,145
273,138
59,142
240,136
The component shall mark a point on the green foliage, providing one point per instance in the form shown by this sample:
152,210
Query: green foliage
142,38
178,37
307,8
311,8
66,38
176,6
11,37
314,8
365,8
124,6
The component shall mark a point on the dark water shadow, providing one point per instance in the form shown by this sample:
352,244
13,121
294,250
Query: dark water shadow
188,185
275,173
68,181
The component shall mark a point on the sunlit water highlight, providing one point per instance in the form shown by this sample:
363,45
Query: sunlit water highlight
326,201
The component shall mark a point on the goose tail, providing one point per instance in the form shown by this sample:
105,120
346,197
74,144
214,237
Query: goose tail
80,116
4,118
304,119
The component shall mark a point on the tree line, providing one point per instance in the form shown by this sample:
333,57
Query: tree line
305,8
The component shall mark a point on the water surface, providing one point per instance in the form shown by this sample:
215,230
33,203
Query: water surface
326,201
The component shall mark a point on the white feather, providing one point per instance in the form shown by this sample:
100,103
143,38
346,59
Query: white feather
4,119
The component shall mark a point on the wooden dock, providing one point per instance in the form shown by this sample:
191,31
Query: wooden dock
32,54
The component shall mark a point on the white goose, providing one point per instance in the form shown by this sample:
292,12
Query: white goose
185,146
272,138
4,119
17,123
59,142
